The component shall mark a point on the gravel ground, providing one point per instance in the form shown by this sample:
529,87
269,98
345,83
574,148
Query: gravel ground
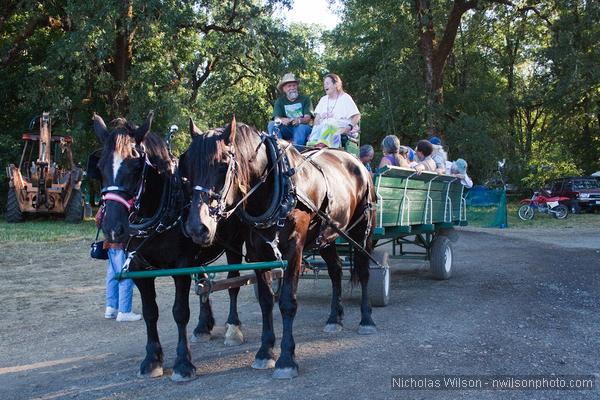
519,302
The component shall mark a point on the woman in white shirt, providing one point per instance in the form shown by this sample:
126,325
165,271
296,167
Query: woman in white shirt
335,115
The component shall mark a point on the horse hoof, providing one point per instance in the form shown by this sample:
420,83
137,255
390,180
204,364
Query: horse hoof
200,337
285,373
263,363
155,373
367,329
175,377
234,335
332,328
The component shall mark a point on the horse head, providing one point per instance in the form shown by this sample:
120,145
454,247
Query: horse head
122,164
214,180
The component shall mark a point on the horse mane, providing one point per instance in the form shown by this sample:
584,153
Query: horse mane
213,148
245,150
157,152
122,141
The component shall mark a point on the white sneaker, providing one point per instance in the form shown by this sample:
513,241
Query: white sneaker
110,313
128,316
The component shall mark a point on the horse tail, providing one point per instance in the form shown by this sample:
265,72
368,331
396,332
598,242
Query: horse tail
363,234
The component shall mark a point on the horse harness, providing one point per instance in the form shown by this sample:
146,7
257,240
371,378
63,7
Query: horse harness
282,202
285,197
167,216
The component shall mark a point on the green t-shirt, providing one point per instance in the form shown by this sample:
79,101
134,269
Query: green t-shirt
293,109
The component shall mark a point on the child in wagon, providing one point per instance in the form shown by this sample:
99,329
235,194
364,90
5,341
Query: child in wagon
458,169
366,154
424,151
393,154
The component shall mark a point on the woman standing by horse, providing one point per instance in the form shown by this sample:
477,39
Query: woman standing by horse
238,169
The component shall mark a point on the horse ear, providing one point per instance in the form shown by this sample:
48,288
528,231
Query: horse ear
100,127
232,130
141,132
194,131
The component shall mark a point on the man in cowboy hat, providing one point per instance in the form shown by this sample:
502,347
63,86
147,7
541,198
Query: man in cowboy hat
293,110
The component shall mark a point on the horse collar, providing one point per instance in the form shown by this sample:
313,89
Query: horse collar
284,197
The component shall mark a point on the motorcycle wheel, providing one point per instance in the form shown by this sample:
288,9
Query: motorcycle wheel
560,211
525,212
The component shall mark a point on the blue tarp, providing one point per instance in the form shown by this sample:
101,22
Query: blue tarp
480,196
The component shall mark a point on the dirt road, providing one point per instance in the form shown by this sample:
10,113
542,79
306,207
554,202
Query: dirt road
513,306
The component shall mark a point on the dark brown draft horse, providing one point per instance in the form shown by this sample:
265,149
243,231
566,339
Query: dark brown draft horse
238,168
143,206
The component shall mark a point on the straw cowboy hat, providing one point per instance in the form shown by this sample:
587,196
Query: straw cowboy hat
287,78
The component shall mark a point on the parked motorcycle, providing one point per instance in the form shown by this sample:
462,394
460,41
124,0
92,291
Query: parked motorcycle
545,204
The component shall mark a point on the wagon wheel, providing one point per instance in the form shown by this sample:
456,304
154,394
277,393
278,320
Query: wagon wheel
379,280
74,209
275,286
441,257
13,211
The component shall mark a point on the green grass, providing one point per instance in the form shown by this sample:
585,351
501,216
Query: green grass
484,217
46,230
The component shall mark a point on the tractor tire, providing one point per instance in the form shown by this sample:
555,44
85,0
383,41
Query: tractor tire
441,258
379,280
74,209
13,211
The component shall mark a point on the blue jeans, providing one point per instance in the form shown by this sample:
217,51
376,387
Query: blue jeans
118,293
297,134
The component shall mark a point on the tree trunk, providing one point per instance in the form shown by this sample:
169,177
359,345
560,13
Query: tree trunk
512,48
122,61
426,46
435,56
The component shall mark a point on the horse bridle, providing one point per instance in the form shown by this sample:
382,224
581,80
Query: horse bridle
218,212
112,192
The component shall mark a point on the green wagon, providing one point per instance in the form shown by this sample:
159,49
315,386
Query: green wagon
412,210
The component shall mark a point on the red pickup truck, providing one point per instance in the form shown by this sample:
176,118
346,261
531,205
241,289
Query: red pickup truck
583,191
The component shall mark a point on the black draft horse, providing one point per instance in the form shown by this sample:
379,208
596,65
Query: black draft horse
140,182
334,192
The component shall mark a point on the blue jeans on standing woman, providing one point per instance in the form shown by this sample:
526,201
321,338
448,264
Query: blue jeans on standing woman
119,294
